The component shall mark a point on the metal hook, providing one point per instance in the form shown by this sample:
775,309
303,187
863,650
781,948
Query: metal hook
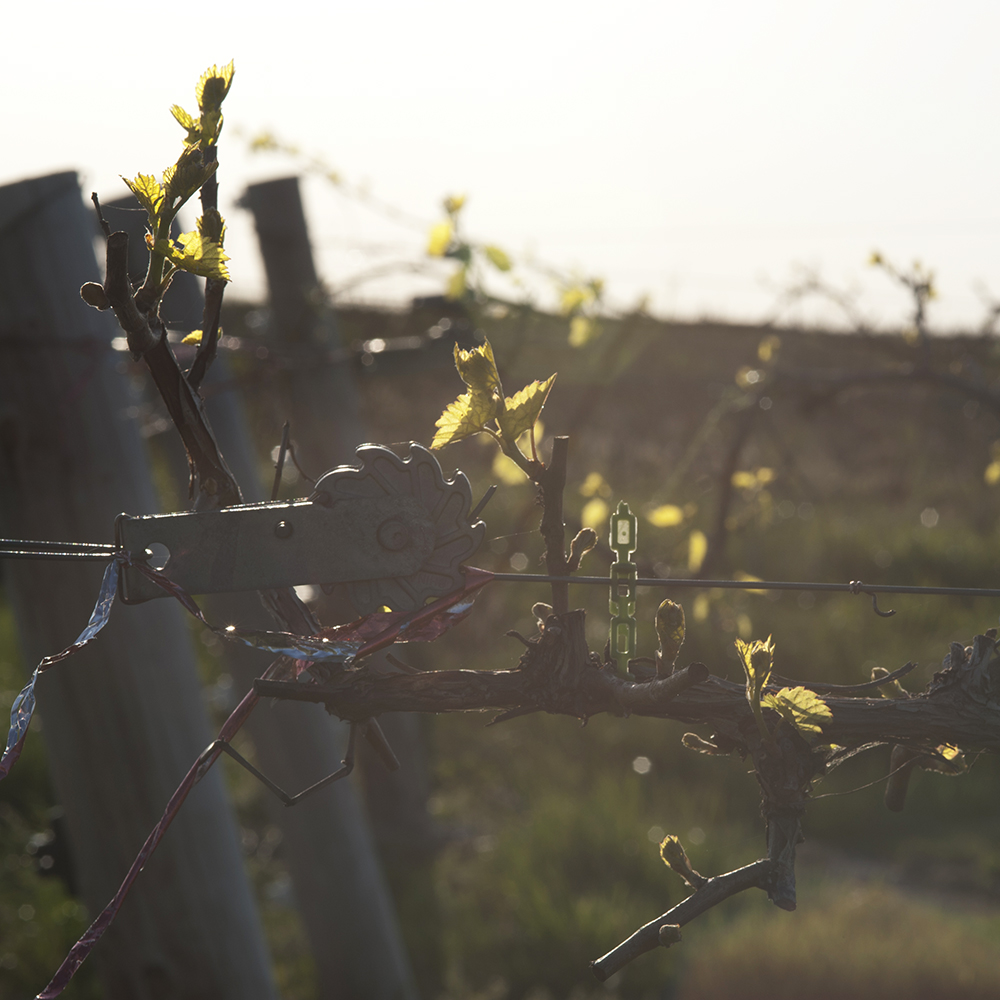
857,587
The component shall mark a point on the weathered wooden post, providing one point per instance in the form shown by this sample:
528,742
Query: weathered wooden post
123,718
321,399
341,893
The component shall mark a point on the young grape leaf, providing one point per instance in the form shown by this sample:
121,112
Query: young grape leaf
190,252
468,415
211,91
697,550
947,759
497,258
666,516
803,708
185,177
573,298
758,660
670,631
582,330
149,193
212,226
188,122
457,284
478,369
891,690
439,239
522,409
212,88
485,402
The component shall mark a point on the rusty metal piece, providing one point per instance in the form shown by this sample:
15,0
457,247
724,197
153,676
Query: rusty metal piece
393,528
444,503
265,546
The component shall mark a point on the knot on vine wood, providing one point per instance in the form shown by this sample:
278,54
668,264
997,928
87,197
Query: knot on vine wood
554,660
975,669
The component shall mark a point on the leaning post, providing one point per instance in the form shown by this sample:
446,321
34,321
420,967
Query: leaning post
124,718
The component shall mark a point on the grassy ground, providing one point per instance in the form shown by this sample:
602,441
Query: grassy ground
847,939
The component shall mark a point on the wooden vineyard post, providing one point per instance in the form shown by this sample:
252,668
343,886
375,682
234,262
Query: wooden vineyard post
344,899
124,718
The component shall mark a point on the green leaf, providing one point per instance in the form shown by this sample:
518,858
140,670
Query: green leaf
670,630
468,415
471,412
757,658
190,252
211,91
439,238
497,258
803,708
212,226
150,194
582,330
186,177
697,550
212,88
188,122
891,690
945,759
264,142
522,409
456,284
667,515
184,119
573,298
478,369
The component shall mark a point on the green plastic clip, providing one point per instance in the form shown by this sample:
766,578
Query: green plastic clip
624,528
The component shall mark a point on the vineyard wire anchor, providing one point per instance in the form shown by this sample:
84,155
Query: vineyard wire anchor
624,574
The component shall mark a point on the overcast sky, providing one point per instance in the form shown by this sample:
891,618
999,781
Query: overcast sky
700,154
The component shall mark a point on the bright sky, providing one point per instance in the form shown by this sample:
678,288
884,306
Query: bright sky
698,153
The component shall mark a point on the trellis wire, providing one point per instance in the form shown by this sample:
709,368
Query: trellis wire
15,548
855,587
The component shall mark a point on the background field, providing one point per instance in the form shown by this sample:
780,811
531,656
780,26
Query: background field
542,846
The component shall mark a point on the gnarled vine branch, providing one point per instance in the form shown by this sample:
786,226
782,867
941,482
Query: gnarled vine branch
558,674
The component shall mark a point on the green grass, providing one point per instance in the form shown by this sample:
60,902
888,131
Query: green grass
863,941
